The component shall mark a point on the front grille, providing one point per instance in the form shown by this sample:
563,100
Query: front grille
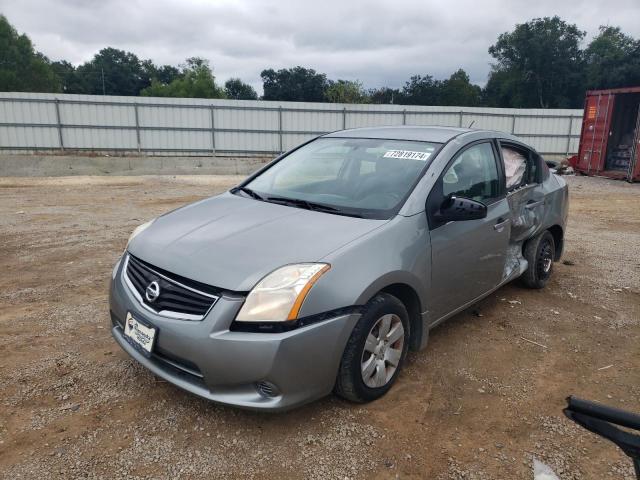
178,297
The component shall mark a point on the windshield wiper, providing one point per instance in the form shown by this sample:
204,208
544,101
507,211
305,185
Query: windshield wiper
319,207
249,192
297,202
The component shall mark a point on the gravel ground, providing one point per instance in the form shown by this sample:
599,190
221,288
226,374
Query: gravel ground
479,403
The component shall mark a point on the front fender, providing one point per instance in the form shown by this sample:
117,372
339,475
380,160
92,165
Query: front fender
398,252
394,278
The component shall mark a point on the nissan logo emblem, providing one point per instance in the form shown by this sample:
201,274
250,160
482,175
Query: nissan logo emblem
152,292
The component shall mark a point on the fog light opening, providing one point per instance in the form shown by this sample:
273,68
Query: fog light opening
267,389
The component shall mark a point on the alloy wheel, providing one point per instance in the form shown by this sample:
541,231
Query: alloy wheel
382,351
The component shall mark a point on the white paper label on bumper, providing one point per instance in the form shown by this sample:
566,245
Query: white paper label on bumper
407,154
139,333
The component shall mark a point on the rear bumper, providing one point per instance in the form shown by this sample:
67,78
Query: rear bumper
207,359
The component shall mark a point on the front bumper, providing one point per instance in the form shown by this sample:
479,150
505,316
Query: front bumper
207,359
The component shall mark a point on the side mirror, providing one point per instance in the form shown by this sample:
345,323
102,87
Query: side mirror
460,208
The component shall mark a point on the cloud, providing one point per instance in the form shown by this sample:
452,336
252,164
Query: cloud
377,42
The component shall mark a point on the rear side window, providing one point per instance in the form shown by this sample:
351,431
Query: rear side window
515,167
521,167
473,174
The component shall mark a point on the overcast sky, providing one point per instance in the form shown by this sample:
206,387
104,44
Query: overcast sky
377,42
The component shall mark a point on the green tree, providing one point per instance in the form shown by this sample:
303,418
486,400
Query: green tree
346,91
383,95
164,74
236,89
22,69
113,72
196,81
70,81
612,59
421,90
544,64
500,88
458,90
296,84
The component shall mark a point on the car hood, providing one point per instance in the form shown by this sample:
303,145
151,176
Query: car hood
232,242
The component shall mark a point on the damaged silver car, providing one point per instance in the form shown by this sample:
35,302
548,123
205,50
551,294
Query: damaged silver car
320,271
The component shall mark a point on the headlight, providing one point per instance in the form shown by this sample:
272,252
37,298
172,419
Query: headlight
279,296
138,230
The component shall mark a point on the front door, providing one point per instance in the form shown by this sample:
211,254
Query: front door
468,257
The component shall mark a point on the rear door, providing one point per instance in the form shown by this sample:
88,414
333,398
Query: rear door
526,196
468,257
526,199
595,132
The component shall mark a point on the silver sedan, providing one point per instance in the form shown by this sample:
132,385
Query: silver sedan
320,271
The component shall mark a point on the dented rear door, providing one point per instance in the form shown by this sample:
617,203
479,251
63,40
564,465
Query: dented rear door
527,206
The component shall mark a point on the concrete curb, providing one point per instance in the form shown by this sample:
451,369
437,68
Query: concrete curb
68,165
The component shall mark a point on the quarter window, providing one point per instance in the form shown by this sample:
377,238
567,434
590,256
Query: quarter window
474,174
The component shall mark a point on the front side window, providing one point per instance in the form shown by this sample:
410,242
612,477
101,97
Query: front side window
473,174
363,177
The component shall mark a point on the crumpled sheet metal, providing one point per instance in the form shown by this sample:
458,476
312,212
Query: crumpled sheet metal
524,221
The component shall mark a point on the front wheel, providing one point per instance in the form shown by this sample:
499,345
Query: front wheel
375,351
540,253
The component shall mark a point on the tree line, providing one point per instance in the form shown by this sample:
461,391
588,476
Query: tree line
540,64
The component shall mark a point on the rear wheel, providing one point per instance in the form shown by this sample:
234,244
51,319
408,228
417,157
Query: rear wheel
375,351
540,253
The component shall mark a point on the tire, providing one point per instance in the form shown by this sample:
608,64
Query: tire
353,382
540,253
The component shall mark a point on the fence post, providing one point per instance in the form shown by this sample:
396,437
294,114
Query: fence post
569,134
135,109
460,118
59,124
513,124
344,118
280,127
404,116
213,130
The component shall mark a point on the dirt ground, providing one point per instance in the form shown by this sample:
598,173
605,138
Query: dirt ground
479,403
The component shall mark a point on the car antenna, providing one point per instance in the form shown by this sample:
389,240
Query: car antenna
471,124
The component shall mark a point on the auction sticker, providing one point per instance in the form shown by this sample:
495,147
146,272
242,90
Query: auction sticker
407,154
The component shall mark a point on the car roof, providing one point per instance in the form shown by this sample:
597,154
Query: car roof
401,132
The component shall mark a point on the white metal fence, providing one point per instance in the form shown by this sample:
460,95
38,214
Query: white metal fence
185,126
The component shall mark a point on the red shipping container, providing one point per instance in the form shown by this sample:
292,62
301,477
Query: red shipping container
610,137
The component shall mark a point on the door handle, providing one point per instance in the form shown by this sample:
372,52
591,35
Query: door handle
532,204
501,224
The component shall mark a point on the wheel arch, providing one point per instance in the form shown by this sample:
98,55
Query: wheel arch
405,288
558,239
409,297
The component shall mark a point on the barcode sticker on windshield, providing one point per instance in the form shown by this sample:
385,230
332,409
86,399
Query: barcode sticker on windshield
407,154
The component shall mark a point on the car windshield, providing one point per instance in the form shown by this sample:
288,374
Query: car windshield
350,176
